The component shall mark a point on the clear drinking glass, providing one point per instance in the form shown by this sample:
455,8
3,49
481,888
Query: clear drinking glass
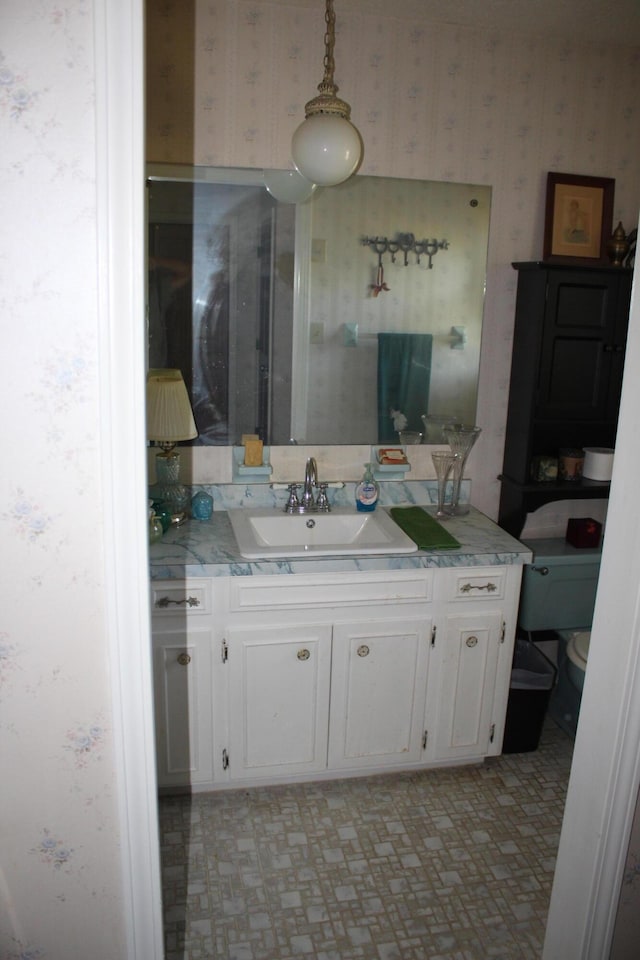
434,427
461,439
409,437
443,461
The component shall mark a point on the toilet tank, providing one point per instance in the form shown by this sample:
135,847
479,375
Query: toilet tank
559,586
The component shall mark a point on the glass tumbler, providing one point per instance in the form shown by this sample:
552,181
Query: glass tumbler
409,437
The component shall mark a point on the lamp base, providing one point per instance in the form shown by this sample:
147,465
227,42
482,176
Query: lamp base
169,488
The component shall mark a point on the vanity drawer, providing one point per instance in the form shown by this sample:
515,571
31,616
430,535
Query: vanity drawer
477,583
252,593
177,597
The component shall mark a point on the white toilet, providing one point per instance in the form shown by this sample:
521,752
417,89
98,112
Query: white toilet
577,652
558,594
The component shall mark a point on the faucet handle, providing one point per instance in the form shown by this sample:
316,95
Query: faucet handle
322,500
292,503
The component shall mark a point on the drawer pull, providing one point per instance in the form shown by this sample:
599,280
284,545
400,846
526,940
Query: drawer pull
184,659
363,650
190,601
471,641
468,587
303,654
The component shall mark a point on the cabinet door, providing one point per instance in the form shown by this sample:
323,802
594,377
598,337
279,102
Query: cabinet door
468,654
378,690
182,680
582,338
279,688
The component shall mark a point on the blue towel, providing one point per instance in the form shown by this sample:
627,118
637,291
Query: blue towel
404,376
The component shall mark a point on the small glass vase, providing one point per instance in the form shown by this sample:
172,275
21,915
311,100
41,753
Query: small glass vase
461,439
443,462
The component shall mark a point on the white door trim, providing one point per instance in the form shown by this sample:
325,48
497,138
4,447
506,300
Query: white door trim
606,763
119,63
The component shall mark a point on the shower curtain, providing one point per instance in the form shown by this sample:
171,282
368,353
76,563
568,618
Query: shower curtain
404,375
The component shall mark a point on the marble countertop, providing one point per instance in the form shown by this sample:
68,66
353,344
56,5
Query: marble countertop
209,548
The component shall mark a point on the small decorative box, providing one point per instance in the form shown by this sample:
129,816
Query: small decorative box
544,469
583,532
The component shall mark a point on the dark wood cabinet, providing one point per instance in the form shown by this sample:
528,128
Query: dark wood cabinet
566,375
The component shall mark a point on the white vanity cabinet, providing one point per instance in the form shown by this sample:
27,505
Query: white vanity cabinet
299,676
475,643
325,672
279,681
378,692
182,637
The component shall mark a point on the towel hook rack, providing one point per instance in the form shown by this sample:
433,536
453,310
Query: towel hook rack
407,243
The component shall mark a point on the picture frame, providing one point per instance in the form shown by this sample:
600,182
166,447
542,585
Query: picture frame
578,219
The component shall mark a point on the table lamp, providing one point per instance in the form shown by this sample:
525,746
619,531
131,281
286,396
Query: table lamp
169,419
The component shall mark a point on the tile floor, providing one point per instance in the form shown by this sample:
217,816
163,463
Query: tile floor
450,864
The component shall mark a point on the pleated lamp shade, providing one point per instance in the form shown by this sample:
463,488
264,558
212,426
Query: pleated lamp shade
169,414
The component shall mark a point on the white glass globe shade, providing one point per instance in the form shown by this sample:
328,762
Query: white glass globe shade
288,186
326,149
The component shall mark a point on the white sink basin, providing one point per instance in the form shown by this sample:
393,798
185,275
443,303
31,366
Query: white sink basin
264,534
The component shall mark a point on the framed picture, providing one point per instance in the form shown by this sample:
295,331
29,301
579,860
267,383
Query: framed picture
578,219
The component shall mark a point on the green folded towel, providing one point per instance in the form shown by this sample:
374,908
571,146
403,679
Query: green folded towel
423,529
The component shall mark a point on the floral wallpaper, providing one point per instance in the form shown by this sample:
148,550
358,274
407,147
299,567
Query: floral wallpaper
432,101
60,883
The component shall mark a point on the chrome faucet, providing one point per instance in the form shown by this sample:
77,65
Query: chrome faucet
307,503
310,480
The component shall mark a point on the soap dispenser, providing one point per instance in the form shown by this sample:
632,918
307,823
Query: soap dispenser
367,491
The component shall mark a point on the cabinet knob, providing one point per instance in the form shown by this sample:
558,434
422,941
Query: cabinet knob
363,650
184,659
303,654
471,641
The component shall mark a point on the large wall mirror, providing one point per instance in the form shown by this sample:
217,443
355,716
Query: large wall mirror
323,322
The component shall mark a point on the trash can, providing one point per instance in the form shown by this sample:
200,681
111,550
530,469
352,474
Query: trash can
532,680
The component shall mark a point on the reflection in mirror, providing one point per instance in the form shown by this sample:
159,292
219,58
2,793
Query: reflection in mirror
220,303
286,324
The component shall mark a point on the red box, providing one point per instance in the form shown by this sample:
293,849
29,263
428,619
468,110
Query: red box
583,532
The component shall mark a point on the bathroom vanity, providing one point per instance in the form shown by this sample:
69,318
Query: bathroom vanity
273,671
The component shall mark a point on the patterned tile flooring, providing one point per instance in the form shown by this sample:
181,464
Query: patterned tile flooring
447,864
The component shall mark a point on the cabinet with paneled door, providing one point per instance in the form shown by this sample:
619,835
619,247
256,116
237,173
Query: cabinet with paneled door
312,677
567,362
182,642
476,647
279,682
379,680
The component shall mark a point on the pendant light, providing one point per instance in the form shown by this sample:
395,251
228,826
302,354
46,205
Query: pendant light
326,148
